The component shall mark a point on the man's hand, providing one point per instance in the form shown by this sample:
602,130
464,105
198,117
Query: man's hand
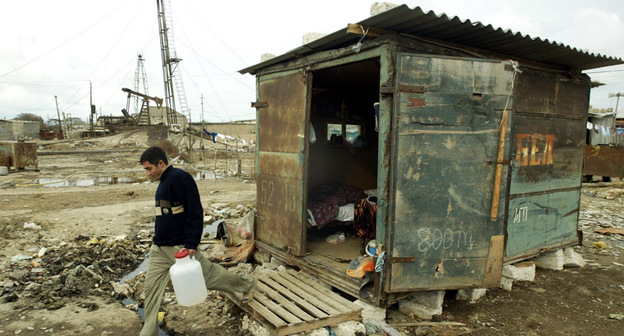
190,251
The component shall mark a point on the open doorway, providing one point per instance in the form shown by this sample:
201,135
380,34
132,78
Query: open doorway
342,162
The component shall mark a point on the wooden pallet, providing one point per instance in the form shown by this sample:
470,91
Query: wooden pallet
291,302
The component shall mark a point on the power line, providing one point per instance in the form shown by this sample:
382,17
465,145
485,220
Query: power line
605,71
64,43
217,36
123,32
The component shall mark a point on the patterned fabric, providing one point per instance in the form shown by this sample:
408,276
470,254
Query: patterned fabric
325,199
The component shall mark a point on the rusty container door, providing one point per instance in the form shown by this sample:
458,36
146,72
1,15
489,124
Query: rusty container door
282,148
19,154
445,230
604,160
547,161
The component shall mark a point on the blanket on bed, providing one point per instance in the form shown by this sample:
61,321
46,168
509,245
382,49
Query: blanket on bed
324,200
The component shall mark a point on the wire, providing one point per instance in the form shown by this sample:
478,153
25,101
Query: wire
197,55
64,43
123,32
216,66
215,34
605,71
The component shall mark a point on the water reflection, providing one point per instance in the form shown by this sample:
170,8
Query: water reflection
129,300
107,180
205,175
86,181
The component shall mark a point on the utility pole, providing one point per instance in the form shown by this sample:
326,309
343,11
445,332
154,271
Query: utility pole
201,139
58,113
91,108
190,134
617,101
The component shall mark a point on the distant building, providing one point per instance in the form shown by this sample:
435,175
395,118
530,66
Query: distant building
11,130
158,116
603,129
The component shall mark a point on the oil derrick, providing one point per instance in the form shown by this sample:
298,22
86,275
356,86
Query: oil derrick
144,116
139,78
171,70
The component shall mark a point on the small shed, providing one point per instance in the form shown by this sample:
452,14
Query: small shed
604,152
12,130
158,116
602,129
470,139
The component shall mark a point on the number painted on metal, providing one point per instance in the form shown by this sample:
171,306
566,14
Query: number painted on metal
266,192
268,188
291,197
437,239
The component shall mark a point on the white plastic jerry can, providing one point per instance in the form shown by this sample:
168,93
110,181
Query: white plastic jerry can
188,280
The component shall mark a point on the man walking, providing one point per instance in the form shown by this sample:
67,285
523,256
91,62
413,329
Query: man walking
179,226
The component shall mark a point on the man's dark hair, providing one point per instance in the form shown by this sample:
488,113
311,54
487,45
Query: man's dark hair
153,155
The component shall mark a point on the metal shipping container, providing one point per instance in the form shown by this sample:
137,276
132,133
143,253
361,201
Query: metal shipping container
471,137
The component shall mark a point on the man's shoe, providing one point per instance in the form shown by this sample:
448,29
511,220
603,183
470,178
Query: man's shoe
248,295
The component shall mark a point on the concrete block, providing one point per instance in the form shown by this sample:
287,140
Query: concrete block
253,327
423,305
471,295
380,7
262,257
370,313
524,271
573,259
309,37
315,332
277,262
266,57
550,260
349,328
506,283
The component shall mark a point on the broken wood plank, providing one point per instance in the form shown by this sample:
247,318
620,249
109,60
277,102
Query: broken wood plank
610,231
305,294
267,314
332,320
295,298
276,309
322,289
319,294
426,323
285,302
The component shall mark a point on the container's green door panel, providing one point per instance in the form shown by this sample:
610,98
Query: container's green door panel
548,142
447,130
547,154
553,222
281,120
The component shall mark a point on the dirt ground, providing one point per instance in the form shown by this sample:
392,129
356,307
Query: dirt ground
71,231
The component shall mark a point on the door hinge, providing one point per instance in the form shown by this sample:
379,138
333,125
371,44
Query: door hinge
412,88
258,104
386,90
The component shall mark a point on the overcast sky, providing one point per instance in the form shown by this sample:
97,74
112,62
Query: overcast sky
56,48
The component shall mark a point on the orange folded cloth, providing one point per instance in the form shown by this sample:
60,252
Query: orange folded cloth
367,265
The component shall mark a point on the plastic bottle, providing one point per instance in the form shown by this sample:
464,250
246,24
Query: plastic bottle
188,280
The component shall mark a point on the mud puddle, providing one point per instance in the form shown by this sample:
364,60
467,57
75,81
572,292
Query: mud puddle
105,180
86,182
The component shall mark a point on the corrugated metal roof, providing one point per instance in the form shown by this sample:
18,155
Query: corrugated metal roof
430,25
